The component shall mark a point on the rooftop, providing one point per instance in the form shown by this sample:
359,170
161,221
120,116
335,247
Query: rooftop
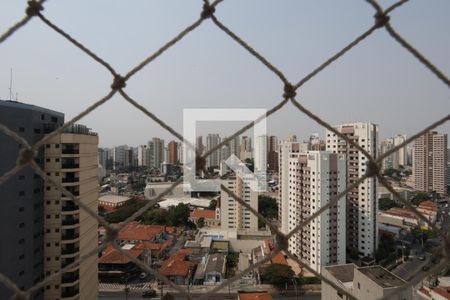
343,273
203,213
112,256
113,198
135,231
254,296
20,105
176,265
279,259
400,212
215,263
382,277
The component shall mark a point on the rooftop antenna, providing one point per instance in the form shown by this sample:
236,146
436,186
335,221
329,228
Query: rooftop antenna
11,94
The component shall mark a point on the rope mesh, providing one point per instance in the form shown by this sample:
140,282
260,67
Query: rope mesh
26,158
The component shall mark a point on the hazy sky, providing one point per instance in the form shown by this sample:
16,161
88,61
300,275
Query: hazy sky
378,81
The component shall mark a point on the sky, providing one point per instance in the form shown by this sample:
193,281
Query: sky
378,81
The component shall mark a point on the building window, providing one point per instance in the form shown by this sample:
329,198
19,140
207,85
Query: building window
37,130
21,177
22,193
22,225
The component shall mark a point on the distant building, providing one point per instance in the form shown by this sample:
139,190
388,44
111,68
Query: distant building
233,214
246,148
177,268
261,153
173,153
272,154
158,155
362,200
112,202
430,163
367,283
213,160
135,232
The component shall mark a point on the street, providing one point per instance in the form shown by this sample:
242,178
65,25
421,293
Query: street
290,295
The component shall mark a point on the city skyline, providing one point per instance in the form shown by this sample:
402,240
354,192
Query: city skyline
377,81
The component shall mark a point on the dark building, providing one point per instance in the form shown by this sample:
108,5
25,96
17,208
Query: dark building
21,205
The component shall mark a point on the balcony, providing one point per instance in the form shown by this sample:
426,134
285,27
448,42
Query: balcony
70,151
69,293
70,221
68,251
67,262
70,166
70,236
70,277
70,207
70,179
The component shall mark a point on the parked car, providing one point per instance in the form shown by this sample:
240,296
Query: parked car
143,275
148,294
421,257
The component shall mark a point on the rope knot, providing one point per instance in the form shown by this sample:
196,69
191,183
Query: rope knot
118,83
26,156
33,8
381,19
208,10
373,169
289,91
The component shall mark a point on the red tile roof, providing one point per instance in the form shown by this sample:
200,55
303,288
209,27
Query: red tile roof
442,291
135,231
428,204
176,265
112,256
255,296
203,213
400,212
279,259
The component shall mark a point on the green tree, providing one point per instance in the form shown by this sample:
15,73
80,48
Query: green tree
212,204
278,275
201,222
232,262
124,212
157,216
268,207
178,215
386,203
386,252
419,197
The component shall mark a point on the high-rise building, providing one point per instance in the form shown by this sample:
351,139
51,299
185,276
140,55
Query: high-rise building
272,154
261,153
70,232
199,145
402,152
233,214
173,153
22,201
291,137
361,201
235,146
430,162
142,153
212,140
285,150
314,177
121,157
158,152
391,161
246,148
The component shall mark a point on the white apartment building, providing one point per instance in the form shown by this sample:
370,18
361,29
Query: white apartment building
158,152
402,153
261,153
212,140
314,177
246,148
121,157
398,158
232,214
430,163
285,149
362,200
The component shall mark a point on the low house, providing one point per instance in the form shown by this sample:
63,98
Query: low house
215,268
243,264
177,268
429,209
209,216
115,266
135,232
435,293
156,249
111,203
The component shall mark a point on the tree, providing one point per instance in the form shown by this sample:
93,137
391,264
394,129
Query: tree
386,252
201,222
268,207
212,204
157,216
386,203
178,215
278,275
419,197
232,262
124,212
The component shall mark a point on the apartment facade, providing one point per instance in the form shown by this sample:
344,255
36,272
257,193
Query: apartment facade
21,205
314,177
173,153
430,162
232,214
70,232
261,153
361,201
158,153
213,160
272,154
